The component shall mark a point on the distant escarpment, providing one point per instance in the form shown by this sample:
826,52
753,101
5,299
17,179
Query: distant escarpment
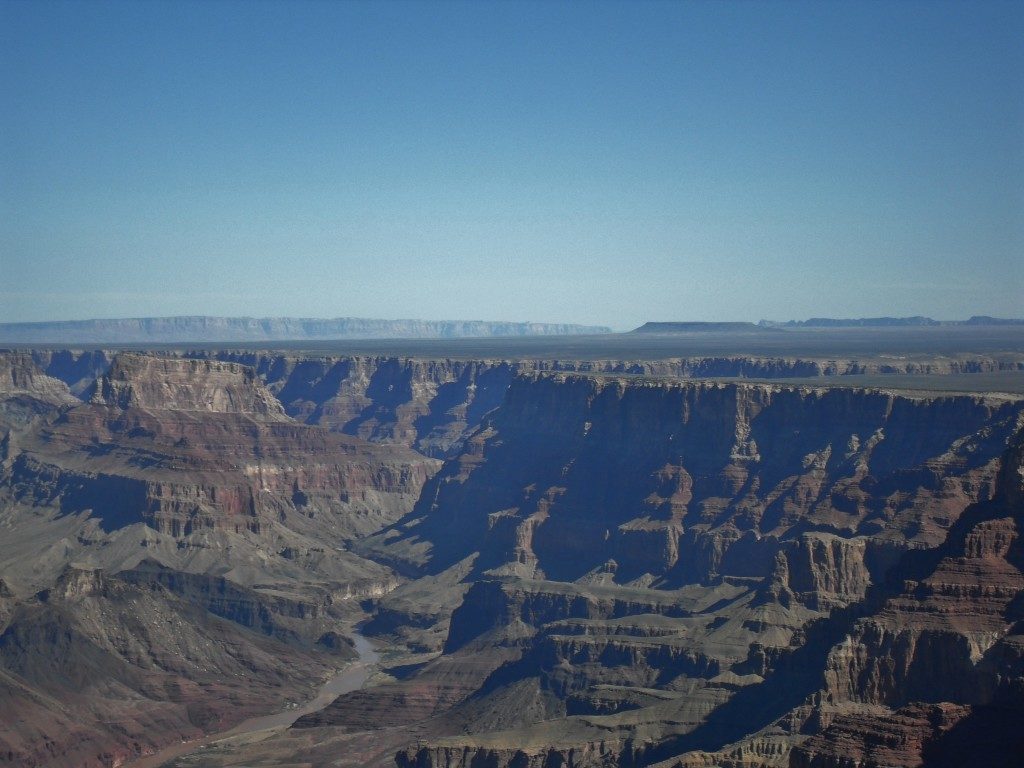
141,330
888,322
698,327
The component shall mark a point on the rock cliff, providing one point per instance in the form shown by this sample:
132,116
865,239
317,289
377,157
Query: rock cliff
432,404
944,651
680,482
176,384
673,560
21,376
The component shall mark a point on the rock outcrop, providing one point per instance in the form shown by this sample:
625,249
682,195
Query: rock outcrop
177,384
182,444
20,375
78,368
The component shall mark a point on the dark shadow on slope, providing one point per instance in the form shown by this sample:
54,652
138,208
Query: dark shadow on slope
308,381
800,673
797,676
448,398
991,736
116,502
390,386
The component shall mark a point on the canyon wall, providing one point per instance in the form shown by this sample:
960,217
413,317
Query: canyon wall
607,570
431,404
681,482
175,554
672,563
936,673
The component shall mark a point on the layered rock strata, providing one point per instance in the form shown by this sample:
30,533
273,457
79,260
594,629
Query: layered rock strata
608,572
432,405
208,534
663,556
675,483
936,675
96,670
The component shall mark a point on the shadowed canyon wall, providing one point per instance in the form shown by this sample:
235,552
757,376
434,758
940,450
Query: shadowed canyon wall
672,562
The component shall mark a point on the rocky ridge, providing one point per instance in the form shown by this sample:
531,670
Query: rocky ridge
432,404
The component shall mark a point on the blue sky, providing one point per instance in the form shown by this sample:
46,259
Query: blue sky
579,162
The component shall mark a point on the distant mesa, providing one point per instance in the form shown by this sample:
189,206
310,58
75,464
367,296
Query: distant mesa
917,321
886,322
986,320
173,330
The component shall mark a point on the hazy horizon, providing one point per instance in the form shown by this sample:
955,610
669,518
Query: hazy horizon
598,164
503,320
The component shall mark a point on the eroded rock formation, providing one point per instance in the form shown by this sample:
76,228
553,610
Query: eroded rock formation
673,561
175,555
607,570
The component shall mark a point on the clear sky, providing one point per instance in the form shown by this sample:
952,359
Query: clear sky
580,162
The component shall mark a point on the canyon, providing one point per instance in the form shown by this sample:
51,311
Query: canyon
691,558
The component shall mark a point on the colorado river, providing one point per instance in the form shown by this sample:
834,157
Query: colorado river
350,679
